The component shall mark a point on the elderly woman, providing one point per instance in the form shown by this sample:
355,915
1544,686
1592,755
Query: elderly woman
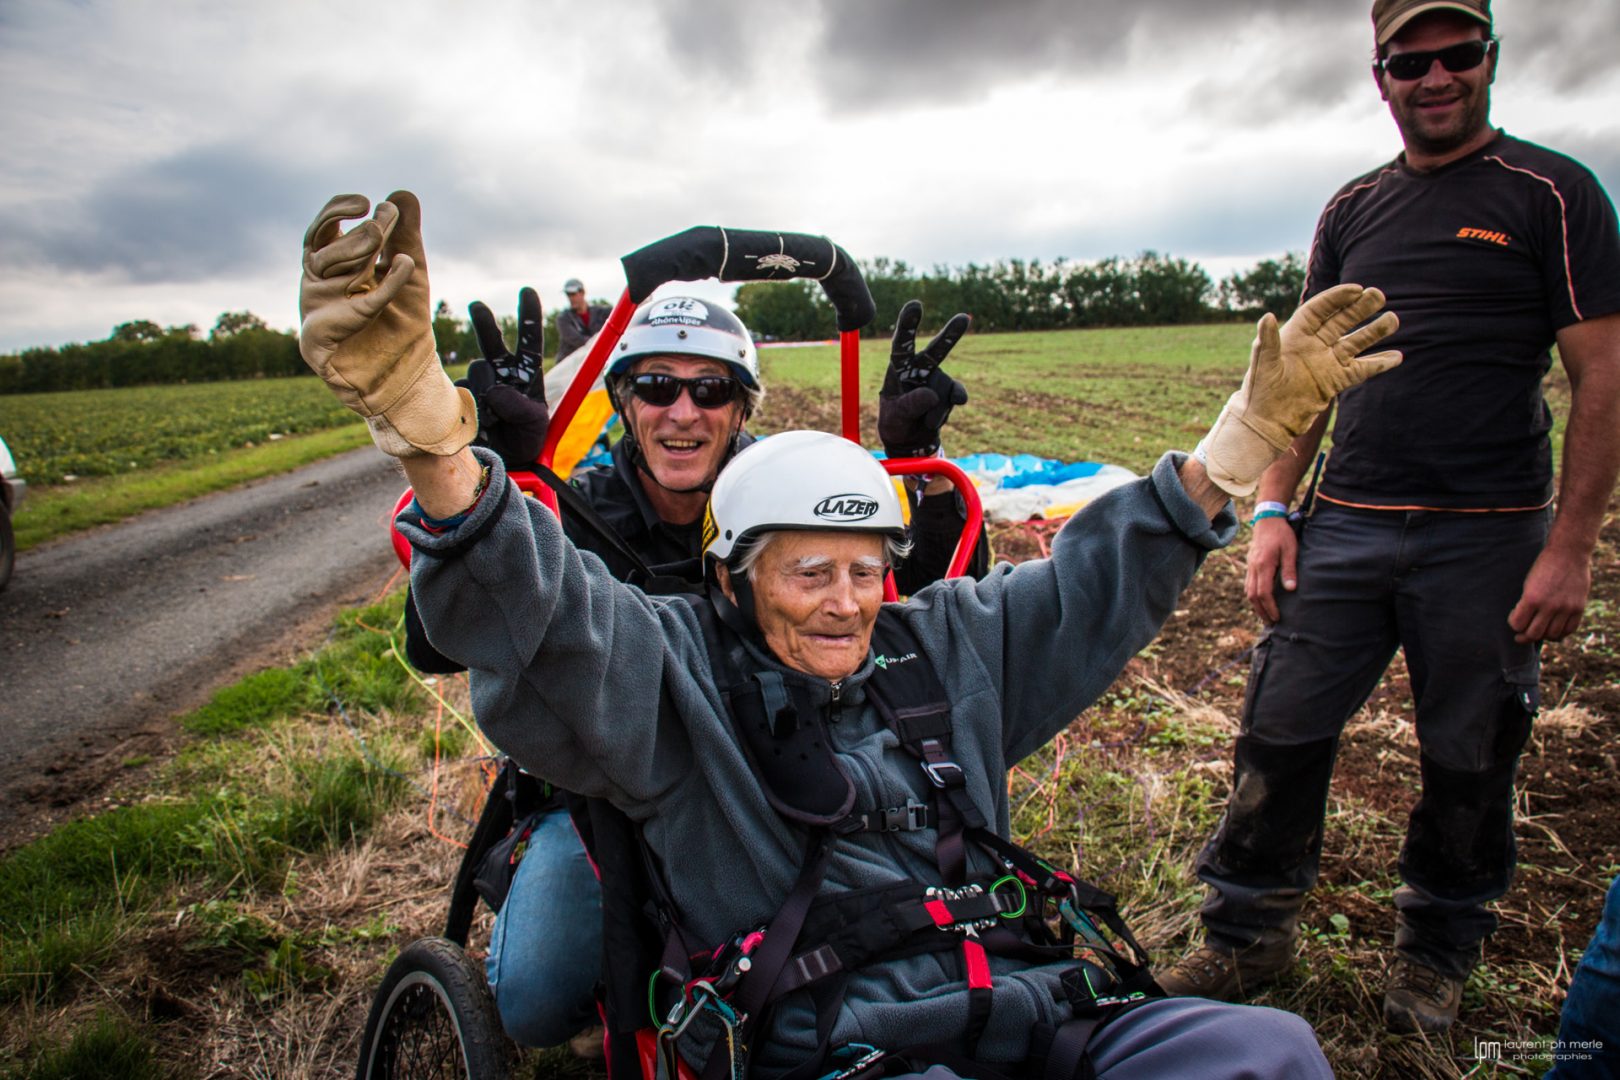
760,743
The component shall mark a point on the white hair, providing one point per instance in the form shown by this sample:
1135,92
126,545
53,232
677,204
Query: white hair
894,549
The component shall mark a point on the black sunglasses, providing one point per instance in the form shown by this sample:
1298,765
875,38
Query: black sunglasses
708,391
1414,65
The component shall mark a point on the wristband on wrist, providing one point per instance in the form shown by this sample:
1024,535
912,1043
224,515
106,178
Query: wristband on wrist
1267,504
1268,510
445,524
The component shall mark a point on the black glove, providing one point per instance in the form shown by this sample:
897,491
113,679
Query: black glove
917,396
511,394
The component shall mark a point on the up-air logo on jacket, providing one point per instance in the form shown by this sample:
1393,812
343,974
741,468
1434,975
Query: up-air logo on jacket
848,507
1490,236
884,661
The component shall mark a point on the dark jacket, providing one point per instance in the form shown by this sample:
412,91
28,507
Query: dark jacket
571,333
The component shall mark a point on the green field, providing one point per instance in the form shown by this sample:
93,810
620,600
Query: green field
1119,396
97,456
114,432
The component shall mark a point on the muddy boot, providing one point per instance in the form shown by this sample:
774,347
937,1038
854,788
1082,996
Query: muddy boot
1420,998
1210,971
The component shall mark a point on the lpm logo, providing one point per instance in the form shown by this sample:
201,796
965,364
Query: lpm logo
849,507
1487,1050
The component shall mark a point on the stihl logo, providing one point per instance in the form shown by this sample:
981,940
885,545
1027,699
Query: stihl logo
1497,238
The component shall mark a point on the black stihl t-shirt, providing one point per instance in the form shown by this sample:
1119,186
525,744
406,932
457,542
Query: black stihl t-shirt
1484,260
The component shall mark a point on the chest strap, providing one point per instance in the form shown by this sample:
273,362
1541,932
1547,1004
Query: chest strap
907,693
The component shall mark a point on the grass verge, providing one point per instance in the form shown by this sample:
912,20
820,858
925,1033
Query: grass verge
60,509
285,767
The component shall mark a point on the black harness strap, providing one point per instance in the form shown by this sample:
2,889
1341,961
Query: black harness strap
753,990
1066,1059
493,823
581,510
912,701
845,931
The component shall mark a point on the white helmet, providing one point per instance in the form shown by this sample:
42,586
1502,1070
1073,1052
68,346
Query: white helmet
687,326
800,480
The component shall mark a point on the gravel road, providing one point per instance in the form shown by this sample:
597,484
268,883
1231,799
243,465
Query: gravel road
107,635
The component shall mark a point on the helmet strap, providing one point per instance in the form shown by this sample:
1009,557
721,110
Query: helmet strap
739,615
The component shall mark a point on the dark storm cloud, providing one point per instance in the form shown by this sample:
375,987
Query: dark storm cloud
1597,150
1314,75
1569,44
716,37
187,217
227,209
919,51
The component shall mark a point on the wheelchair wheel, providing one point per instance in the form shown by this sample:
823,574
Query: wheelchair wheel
433,1017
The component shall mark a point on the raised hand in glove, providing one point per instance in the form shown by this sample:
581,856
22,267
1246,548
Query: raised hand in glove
1293,375
917,396
371,340
511,394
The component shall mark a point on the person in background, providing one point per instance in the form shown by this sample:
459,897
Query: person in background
579,320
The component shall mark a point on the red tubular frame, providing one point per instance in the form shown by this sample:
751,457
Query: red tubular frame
584,379
849,357
925,466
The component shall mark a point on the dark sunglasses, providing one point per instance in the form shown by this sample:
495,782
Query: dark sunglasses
1414,65
708,391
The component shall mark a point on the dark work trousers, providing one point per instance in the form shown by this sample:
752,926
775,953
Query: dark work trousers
1438,585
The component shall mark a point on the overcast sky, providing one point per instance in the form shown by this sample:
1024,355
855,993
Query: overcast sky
161,160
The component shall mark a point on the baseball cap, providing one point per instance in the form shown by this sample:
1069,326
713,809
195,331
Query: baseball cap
573,285
1390,15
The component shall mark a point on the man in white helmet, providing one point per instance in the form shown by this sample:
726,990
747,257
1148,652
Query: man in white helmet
828,818
685,380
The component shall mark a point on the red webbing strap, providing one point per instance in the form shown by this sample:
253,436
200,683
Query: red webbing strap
980,992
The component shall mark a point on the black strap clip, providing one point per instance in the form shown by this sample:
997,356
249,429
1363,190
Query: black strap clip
941,771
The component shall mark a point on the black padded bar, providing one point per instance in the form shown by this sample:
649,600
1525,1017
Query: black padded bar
707,251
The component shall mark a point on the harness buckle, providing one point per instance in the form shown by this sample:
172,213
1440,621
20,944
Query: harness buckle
907,818
944,774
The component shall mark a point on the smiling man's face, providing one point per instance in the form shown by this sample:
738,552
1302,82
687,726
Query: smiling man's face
816,597
684,445
1444,114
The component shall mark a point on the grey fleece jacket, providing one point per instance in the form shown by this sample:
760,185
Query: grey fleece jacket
604,690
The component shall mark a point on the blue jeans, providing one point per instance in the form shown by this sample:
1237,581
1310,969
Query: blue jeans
1589,1031
1190,1037
545,953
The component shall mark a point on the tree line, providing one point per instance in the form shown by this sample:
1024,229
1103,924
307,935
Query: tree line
1013,294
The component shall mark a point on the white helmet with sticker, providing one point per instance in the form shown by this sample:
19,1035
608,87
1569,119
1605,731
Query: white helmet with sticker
687,326
800,480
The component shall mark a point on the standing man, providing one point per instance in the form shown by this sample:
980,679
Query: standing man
1437,531
577,322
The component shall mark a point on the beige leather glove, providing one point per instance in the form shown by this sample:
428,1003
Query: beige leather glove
1293,375
371,340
